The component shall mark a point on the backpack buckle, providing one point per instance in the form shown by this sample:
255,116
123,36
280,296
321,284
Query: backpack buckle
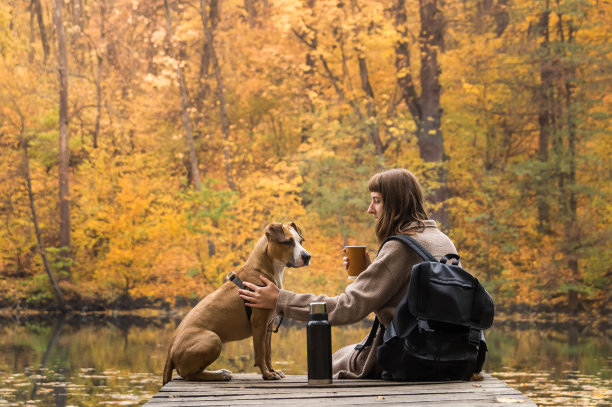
424,326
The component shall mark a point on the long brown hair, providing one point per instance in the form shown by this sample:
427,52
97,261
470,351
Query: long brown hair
403,209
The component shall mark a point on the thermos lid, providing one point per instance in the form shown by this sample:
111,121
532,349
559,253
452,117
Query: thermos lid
318,308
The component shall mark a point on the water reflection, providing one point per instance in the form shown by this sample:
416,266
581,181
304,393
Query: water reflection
81,361
555,365
118,360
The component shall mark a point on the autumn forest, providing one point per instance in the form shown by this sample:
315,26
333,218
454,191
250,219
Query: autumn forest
144,145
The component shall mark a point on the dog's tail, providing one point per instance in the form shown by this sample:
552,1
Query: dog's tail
168,367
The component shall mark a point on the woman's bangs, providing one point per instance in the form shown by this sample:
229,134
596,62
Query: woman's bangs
375,184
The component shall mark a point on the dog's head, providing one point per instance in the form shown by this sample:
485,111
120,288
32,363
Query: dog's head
285,244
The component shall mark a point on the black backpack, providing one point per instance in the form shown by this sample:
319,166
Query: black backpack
436,332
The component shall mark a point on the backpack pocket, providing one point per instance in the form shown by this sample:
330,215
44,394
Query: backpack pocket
441,353
441,292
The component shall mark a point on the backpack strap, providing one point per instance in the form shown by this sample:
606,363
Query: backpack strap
418,249
421,252
371,335
414,245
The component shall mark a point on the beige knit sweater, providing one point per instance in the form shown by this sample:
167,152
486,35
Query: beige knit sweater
378,289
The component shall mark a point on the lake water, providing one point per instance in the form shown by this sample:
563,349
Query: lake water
118,360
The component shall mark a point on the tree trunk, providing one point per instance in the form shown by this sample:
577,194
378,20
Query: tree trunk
225,125
205,62
77,13
430,141
430,38
41,27
32,35
572,234
545,120
193,158
402,64
249,6
371,107
425,109
501,17
64,204
99,60
41,245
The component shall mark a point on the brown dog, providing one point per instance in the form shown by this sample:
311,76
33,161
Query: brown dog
220,317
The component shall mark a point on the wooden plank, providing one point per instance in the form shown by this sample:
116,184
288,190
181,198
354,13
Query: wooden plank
354,391
361,402
251,390
353,394
338,384
364,402
300,399
471,403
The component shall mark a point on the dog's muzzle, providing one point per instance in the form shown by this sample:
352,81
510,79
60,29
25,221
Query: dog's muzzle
305,259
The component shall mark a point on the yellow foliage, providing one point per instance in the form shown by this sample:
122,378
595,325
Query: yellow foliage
298,142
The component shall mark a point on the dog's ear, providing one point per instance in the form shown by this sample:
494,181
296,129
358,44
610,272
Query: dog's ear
297,229
275,232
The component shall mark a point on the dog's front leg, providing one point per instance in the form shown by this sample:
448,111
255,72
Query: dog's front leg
269,349
259,322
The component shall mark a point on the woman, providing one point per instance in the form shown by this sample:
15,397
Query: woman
397,205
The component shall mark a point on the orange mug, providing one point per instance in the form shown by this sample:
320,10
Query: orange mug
356,260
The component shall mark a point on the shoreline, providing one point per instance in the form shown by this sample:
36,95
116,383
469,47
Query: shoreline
520,319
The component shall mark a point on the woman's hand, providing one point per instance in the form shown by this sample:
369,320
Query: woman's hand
345,259
260,297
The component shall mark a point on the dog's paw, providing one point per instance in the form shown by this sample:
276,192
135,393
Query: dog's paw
278,372
274,375
225,374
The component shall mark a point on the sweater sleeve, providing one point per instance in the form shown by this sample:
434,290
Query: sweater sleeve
373,288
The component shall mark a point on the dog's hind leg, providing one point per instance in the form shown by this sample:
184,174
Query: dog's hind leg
221,375
197,351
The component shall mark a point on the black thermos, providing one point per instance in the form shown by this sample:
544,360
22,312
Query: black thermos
318,335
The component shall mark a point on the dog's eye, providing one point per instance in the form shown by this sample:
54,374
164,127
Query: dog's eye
287,242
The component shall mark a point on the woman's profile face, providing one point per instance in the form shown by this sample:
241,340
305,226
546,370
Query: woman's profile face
376,205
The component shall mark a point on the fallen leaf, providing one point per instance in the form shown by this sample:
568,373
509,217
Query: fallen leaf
509,400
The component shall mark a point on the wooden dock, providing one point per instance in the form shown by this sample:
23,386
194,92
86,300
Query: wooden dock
252,390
